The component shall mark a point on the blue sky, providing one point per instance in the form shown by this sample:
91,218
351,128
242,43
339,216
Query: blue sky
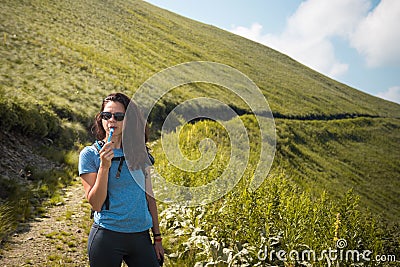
356,42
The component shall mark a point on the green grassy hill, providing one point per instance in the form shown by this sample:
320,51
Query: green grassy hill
60,58
67,53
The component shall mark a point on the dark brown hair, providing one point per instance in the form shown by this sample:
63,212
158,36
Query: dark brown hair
134,125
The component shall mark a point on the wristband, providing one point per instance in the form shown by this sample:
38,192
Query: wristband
158,240
156,235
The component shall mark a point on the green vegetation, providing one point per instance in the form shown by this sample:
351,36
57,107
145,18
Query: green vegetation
290,211
335,173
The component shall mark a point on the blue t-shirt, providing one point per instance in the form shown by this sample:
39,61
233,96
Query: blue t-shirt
128,210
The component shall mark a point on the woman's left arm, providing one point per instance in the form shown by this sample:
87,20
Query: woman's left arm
154,215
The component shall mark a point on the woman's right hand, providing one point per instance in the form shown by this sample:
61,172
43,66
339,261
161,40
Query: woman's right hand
106,155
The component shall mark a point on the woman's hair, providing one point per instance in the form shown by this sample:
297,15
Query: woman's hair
134,125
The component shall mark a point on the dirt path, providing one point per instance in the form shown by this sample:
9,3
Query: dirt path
56,239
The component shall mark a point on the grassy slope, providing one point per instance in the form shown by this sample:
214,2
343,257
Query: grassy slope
67,55
341,154
68,52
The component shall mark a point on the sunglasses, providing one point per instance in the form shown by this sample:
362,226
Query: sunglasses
118,116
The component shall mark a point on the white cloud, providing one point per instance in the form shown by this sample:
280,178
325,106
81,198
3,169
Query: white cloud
392,94
324,19
252,33
377,36
317,53
309,32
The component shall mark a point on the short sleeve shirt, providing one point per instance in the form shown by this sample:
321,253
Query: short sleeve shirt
128,210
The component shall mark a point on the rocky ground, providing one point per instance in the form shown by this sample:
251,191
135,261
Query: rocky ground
58,237
18,155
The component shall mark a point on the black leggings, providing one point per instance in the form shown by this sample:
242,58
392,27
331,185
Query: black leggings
108,248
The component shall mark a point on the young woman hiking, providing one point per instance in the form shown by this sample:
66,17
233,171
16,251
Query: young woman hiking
120,191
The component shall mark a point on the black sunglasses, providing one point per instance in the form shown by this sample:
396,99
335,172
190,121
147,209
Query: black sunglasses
118,116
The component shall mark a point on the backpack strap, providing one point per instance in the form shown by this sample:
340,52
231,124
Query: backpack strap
121,161
98,145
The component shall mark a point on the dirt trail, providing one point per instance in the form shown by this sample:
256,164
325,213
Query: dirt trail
58,238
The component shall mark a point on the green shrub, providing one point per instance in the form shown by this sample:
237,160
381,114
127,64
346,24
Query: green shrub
278,216
27,117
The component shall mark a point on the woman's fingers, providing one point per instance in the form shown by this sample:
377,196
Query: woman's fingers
106,154
109,154
159,251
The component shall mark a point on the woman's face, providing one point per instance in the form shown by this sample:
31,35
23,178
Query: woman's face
113,107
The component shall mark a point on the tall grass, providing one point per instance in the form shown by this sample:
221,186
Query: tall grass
7,220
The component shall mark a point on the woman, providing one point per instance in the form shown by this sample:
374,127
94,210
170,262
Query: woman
123,211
